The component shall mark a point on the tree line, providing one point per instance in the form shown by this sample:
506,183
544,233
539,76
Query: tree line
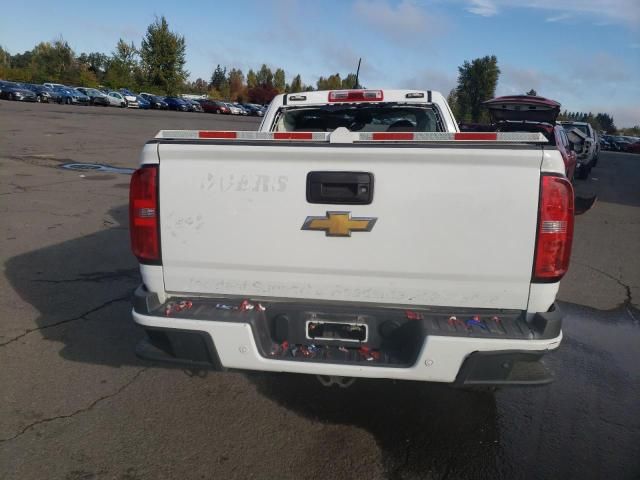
158,66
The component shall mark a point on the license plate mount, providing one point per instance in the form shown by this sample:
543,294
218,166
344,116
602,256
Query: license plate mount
354,332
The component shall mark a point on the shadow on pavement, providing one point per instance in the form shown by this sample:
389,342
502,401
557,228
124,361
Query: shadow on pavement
423,430
84,283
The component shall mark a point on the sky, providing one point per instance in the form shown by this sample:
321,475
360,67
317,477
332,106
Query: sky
583,53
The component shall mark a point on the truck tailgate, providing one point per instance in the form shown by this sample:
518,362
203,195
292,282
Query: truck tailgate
455,226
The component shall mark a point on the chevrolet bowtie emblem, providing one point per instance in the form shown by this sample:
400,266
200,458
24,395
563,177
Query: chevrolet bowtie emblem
339,224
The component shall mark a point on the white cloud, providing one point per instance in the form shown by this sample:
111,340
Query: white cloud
403,21
626,12
558,18
485,8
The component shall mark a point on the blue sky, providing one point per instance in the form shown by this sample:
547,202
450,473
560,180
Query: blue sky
585,54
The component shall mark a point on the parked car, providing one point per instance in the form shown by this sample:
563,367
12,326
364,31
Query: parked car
234,109
175,103
143,103
619,143
254,110
70,96
116,99
526,113
130,97
589,151
96,97
155,101
83,98
633,147
194,105
604,142
16,92
43,94
54,86
213,106
243,111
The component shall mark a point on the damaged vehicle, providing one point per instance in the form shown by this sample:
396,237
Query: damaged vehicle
526,113
356,234
588,151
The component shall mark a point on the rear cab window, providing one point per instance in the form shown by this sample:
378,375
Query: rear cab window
359,118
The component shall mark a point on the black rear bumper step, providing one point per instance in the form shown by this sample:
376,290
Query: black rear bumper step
184,348
511,367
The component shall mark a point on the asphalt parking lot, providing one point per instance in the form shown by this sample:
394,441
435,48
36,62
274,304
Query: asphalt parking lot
77,403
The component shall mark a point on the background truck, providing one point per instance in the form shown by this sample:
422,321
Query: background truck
358,233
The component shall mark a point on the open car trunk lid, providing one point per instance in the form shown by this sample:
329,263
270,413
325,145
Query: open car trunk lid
454,226
523,108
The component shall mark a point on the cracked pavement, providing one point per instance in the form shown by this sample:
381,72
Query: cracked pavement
77,403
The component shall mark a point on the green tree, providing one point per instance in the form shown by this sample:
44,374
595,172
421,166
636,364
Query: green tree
279,81
332,82
22,60
199,86
95,62
236,84
477,82
264,77
350,81
631,131
296,85
5,63
252,79
606,122
532,93
163,57
5,58
218,78
123,65
53,62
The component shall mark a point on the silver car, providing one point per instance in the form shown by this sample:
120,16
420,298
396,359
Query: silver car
116,99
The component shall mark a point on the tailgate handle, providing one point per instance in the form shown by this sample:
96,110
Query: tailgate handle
349,188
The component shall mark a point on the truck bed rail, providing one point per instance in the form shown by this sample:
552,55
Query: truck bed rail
344,136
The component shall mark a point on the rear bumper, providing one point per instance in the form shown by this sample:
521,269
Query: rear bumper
217,343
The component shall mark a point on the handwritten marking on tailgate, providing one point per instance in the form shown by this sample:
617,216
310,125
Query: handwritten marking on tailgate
339,224
237,182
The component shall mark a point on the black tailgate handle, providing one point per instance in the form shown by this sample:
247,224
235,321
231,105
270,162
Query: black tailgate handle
349,188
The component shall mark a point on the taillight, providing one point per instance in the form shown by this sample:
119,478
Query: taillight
555,229
356,96
143,214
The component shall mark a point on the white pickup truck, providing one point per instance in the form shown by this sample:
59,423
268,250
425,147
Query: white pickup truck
357,233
